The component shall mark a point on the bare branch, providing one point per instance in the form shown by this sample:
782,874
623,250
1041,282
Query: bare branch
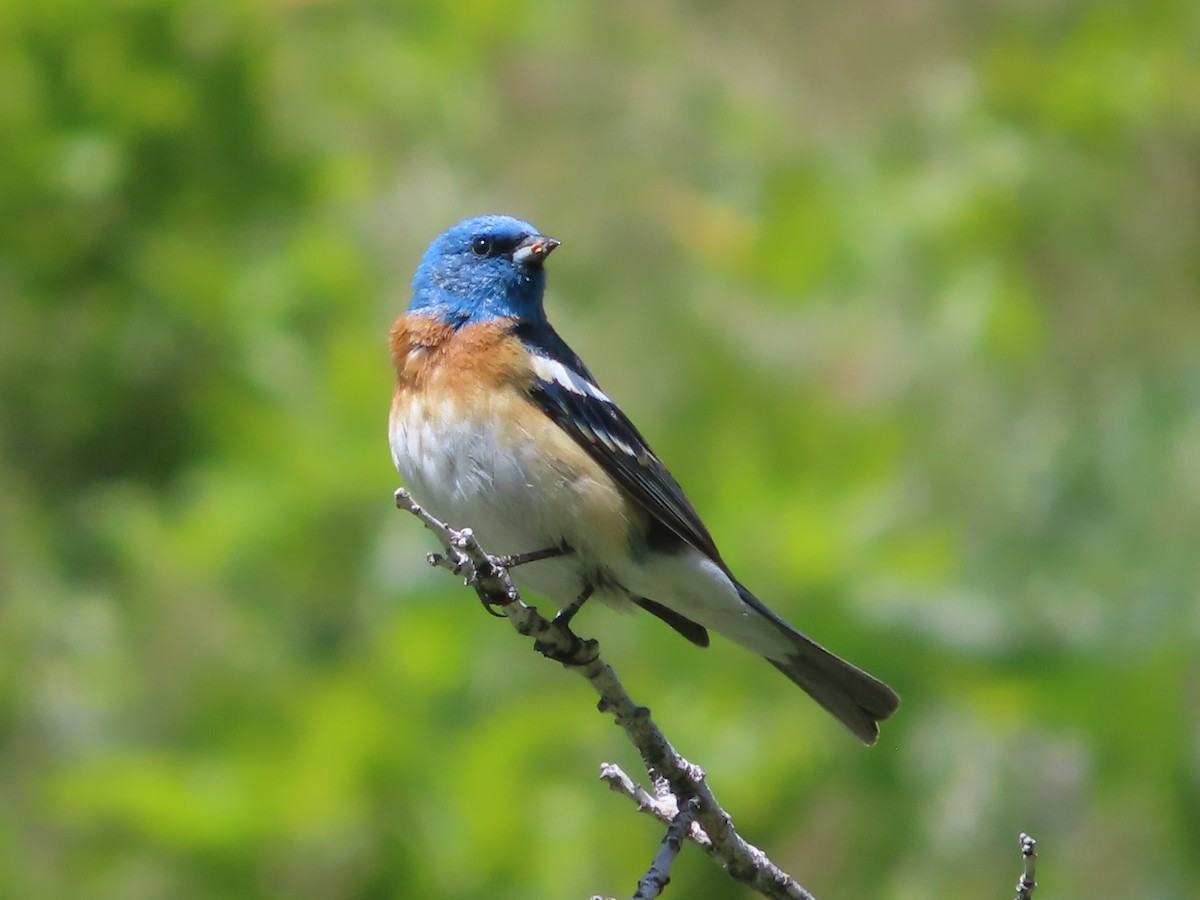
1026,883
614,776
682,781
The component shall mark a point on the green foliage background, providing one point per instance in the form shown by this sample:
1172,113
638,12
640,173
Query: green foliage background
906,294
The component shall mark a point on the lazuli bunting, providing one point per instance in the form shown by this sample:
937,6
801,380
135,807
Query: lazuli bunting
498,425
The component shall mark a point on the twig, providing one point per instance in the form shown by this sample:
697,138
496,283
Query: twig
661,804
1026,883
680,779
659,874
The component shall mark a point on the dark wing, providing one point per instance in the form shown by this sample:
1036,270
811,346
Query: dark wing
567,393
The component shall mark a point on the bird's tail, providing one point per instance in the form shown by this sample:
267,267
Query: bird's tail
858,700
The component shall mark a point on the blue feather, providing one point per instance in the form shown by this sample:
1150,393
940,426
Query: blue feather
460,284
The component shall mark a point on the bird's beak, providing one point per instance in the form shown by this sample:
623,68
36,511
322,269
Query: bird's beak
533,250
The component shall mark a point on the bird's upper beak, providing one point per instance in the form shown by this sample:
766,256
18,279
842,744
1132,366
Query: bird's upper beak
533,250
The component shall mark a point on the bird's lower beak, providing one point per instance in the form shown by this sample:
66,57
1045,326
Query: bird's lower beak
533,250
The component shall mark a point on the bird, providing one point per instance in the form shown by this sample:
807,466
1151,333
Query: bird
497,424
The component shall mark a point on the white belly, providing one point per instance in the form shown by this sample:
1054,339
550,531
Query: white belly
470,471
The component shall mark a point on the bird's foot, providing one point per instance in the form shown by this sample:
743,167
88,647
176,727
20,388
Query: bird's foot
511,561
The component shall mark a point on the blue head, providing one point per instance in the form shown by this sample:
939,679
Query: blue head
483,268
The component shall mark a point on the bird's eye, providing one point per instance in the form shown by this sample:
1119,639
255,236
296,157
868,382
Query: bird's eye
481,246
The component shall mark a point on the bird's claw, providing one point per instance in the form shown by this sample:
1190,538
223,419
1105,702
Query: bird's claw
494,609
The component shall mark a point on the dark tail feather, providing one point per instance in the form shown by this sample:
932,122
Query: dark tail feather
697,634
858,700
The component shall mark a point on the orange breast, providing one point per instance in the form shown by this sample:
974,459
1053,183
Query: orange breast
432,357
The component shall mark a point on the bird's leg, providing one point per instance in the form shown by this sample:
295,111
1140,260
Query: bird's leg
519,559
513,560
567,613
